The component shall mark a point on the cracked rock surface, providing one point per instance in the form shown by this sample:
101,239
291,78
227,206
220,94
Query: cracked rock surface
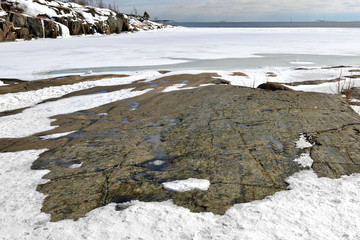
242,140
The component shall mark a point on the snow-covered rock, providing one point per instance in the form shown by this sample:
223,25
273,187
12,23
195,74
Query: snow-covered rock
51,19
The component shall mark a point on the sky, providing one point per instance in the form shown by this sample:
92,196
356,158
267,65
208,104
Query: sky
245,10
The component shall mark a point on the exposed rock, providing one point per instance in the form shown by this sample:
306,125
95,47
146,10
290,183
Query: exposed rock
221,81
272,86
241,139
240,74
7,31
23,33
116,25
271,74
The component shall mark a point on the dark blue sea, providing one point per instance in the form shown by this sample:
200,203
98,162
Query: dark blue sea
317,24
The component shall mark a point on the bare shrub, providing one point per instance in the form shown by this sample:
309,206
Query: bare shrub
345,87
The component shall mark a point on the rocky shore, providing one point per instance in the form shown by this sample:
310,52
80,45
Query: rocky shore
51,19
242,140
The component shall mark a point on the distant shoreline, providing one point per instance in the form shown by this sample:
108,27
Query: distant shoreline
314,24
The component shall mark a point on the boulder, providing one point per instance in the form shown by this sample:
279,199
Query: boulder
273,86
7,31
115,24
23,33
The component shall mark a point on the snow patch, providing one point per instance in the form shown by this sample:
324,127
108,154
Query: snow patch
356,109
303,143
37,119
305,160
187,185
20,203
12,101
56,135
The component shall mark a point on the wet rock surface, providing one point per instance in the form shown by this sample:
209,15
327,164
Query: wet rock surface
242,140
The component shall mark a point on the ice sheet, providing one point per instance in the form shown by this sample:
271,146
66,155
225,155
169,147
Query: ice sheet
171,46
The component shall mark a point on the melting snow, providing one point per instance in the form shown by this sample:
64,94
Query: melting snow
187,185
56,135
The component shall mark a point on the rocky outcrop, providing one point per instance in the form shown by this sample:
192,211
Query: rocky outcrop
51,19
242,140
7,31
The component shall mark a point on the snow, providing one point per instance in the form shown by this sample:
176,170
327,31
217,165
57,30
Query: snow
34,8
37,119
303,143
187,185
305,160
177,87
20,203
356,109
11,101
56,135
312,208
65,32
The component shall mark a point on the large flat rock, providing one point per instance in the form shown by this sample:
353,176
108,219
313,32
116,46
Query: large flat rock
242,140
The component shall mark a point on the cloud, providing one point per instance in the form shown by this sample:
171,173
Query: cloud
242,10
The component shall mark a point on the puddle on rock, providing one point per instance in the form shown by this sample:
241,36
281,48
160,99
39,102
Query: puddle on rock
86,113
59,78
98,92
83,134
133,104
161,159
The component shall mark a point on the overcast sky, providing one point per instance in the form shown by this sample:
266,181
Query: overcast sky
245,10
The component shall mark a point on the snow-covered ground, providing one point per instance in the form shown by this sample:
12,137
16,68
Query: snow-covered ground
312,208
